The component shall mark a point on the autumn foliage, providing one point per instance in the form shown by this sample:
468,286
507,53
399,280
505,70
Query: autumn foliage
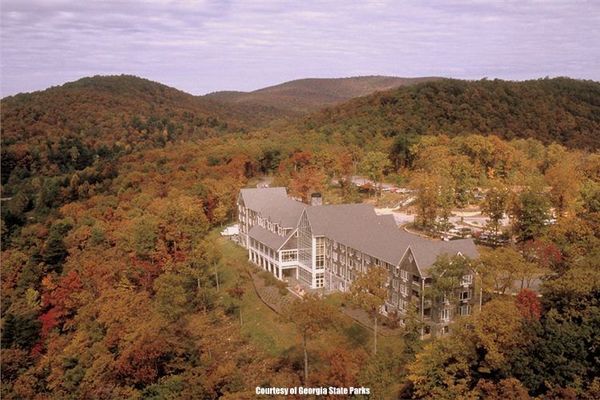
113,285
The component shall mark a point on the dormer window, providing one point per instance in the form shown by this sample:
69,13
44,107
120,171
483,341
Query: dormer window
467,280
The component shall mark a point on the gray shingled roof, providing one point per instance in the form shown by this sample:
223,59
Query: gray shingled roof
257,198
426,251
274,204
267,237
357,226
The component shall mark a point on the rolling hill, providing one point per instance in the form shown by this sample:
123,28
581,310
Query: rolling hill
66,128
303,95
560,110
110,104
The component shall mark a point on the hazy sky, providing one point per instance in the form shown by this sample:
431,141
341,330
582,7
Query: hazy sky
203,46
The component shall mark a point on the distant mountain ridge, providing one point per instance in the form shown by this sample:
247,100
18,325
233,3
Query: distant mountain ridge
138,112
562,110
310,94
132,95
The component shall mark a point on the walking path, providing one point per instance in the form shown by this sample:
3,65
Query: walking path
269,295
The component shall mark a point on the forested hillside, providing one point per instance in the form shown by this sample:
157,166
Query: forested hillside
120,110
115,284
303,95
561,110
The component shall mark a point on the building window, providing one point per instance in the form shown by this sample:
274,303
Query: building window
465,295
467,279
320,261
305,242
320,252
404,290
465,310
289,255
319,279
402,304
404,275
445,315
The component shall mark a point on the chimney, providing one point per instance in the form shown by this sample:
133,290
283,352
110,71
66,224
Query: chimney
316,199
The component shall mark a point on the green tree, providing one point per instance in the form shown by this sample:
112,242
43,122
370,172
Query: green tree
446,275
22,330
400,153
564,179
171,296
374,164
210,254
531,212
494,205
145,235
237,292
54,251
463,175
480,347
310,315
380,373
501,268
369,293
183,222
427,199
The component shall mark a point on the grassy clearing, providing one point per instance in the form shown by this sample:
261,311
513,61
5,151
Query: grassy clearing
261,324
265,328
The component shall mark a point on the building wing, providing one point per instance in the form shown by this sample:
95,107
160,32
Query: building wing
273,204
426,251
266,237
358,226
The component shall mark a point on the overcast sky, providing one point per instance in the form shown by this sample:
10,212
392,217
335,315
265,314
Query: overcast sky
201,46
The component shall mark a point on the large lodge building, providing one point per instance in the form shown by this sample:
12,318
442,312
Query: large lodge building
327,246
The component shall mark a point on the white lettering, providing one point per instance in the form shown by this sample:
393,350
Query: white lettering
319,391
360,390
338,390
270,391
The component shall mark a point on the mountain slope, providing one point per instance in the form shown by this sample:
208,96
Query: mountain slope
561,110
94,120
304,95
110,104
